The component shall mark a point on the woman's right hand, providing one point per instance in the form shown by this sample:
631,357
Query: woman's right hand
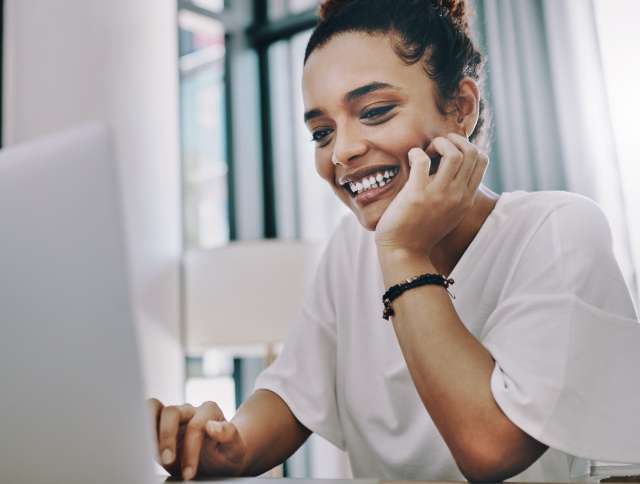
197,441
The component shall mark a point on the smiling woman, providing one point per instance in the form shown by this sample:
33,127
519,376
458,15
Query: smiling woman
521,374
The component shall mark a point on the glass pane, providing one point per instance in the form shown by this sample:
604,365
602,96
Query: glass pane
282,8
301,5
202,112
216,6
306,205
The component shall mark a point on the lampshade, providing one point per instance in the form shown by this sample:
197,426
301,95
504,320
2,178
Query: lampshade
245,293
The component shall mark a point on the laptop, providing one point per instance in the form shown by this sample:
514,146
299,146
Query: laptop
72,408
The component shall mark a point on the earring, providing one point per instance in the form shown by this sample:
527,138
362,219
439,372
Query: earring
462,126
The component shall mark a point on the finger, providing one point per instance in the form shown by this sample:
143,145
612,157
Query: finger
194,435
420,165
155,409
470,157
451,161
229,438
221,431
478,172
170,420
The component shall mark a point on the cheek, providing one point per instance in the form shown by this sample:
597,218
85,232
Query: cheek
324,167
399,138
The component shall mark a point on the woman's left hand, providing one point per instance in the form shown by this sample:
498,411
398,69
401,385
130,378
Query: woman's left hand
430,206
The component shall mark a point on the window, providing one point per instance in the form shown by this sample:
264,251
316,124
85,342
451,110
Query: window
203,132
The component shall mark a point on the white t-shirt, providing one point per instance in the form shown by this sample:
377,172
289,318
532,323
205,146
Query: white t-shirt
540,289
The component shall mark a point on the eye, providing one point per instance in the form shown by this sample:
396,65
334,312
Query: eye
375,113
320,135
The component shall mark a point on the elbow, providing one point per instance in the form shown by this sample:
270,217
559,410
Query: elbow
484,472
483,469
496,463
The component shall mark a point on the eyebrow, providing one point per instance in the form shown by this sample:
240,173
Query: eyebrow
353,95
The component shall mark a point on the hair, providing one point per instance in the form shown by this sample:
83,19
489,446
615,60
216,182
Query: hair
435,32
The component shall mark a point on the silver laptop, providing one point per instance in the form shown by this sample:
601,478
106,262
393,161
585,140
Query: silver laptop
71,396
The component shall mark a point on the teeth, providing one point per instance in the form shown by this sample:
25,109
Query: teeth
376,180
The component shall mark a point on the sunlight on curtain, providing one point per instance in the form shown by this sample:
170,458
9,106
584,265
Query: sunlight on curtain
617,22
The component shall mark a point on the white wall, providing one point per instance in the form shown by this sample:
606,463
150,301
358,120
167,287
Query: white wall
70,61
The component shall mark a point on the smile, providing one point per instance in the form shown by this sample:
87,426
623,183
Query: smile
363,194
371,182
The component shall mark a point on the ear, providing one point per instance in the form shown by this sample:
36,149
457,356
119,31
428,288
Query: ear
467,104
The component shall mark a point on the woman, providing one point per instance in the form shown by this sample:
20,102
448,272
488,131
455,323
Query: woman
508,378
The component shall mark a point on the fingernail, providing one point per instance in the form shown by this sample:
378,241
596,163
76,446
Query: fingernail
167,457
187,473
414,152
213,426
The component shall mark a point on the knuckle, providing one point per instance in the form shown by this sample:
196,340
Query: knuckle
194,425
155,406
472,152
212,408
170,412
437,199
456,160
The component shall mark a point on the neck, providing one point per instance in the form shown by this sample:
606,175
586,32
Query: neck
446,254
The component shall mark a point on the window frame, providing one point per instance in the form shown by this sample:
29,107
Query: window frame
262,35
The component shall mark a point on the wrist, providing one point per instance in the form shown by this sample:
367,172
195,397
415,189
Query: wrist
403,255
398,265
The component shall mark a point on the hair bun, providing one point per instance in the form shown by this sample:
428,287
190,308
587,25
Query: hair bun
456,10
329,8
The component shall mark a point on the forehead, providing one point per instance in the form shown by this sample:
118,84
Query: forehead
350,60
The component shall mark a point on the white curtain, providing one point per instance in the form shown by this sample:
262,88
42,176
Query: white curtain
552,128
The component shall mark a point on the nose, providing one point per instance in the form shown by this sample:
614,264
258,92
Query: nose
349,144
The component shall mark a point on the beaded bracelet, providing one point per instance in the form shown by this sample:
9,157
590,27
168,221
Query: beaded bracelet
394,291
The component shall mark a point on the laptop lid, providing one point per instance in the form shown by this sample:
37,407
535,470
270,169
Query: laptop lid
71,399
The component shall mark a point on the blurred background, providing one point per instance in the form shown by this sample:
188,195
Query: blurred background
204,100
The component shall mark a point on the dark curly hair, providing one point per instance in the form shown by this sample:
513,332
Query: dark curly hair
436,31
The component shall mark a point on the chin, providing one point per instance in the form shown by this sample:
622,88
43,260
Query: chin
368,217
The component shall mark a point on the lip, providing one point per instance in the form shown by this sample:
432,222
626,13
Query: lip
362,172
373,194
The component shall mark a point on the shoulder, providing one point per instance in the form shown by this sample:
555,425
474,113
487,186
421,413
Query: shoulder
546,202
570,217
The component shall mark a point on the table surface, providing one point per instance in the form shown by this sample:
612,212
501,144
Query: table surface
249,480
271,480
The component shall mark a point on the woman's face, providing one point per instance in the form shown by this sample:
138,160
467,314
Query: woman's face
366,109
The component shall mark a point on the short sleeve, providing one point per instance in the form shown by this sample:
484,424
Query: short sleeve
304,374
566,340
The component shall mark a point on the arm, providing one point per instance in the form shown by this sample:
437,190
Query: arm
271,432
449,367
200,442
451,371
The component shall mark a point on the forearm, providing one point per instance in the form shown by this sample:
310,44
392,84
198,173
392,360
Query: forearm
270,431
452,371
